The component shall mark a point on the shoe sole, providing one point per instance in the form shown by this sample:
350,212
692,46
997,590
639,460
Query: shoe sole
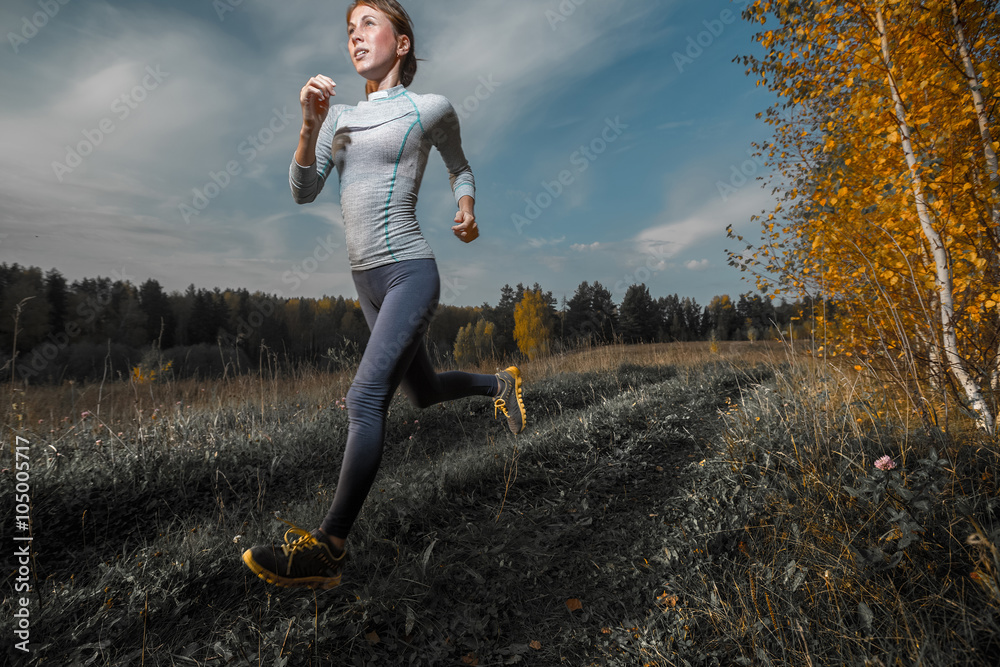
516,372
321,583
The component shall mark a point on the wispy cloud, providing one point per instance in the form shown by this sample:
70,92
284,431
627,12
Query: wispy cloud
542,243
674,237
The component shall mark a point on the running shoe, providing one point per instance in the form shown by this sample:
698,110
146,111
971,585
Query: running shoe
509,400
307,561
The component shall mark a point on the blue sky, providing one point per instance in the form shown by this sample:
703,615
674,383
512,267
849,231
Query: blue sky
114,113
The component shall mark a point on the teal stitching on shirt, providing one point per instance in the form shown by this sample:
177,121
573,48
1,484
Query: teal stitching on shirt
392,186
386,99
417,110
323,172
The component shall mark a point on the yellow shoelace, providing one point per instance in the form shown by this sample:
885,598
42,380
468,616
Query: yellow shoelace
500,405
305,540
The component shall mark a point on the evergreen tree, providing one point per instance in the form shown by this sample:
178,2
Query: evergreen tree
58,297
306,333
200,323
159,316
591,315
353,326
502,316
125,321
639,316
27,291
692,317
672,320
579,324
605,312
218,315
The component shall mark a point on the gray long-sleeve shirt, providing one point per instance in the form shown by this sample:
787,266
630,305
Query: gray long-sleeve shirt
380,150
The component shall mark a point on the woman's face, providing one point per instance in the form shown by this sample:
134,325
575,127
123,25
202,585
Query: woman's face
372,43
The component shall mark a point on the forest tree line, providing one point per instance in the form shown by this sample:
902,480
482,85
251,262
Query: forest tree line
53,330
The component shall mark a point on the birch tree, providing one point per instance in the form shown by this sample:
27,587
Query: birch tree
885,205
989,151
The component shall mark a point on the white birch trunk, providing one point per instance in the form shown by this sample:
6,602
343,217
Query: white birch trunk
935,365
981,117
943,278
991,155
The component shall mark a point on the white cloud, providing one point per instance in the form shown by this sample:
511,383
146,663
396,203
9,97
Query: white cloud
697,265
670,238
542,243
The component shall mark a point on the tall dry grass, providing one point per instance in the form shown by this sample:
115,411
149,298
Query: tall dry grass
876,540
127,401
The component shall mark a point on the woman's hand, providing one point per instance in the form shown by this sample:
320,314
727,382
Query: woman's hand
465,227
315,100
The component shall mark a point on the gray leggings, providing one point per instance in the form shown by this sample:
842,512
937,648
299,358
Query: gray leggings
398,301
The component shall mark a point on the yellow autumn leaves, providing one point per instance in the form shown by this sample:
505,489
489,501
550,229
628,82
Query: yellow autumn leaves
884,151
532,328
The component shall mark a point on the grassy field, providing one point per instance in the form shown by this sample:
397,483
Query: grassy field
667,505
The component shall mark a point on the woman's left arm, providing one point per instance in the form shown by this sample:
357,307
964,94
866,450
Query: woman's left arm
445,134
465,227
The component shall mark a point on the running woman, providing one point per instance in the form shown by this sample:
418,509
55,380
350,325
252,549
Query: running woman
379,149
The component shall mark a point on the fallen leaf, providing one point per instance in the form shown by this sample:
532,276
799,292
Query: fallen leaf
574,604
537,645
470,659
667,600
372,637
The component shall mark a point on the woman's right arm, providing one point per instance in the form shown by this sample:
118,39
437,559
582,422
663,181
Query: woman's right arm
305,180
